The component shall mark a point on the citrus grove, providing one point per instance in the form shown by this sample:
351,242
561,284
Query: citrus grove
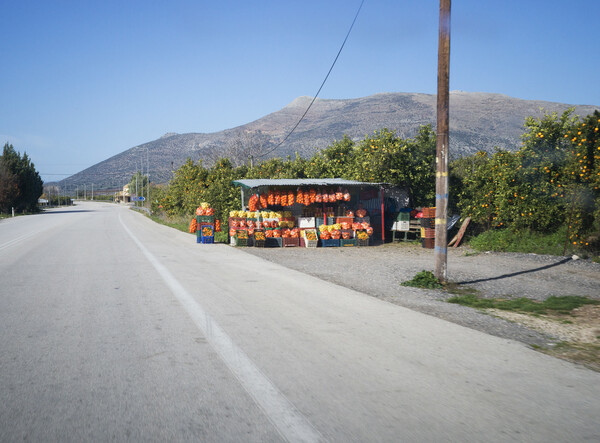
549,184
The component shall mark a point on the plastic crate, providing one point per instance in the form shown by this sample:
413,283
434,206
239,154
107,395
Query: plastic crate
344,220
260,243
429,233
205,219
401,226
273,242
290,242
208,240
365,219
427,222
208,228
429,212
347,242
306,222
330,243
240,241
304,242
403,216
363,242
310,243
428,243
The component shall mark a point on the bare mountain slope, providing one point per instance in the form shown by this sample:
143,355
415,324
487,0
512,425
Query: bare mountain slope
478,121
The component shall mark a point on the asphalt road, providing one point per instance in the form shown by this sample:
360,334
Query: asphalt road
116,328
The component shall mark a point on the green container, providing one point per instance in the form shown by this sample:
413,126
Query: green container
205,219
403,216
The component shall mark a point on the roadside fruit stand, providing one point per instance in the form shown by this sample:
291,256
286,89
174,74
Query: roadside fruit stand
313,212
205,224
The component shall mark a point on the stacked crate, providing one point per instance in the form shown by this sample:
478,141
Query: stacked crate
205,236
428,228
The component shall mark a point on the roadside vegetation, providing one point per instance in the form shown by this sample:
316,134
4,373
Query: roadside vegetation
542,198
558,305
20,184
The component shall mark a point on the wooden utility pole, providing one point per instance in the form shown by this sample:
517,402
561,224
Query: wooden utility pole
442,151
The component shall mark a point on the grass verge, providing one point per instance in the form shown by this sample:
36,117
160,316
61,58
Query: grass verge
182,223
559,305
506,240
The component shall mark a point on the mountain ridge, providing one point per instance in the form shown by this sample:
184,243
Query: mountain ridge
478,121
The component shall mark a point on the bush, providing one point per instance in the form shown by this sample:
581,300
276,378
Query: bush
424,279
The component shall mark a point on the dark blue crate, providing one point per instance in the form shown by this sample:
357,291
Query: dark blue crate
330,243
208,240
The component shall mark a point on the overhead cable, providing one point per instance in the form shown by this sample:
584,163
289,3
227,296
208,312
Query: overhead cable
321,87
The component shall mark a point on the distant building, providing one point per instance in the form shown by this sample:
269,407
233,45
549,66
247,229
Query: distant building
123,196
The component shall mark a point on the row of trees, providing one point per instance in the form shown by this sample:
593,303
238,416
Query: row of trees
553,180
20,184
381,157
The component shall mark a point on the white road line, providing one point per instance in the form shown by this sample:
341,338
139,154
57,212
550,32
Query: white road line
290,422
14,241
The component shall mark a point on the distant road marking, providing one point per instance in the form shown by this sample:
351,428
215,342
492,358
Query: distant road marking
290,422
14,241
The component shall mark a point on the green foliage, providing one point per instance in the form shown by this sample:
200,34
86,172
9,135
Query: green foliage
335,161
139,184
526,241
382,157
184,193
20,183
423,279
552,181
219,190
221,237
532,200
387,158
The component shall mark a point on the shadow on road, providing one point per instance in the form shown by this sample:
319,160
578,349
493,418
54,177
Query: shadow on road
514,274
67,211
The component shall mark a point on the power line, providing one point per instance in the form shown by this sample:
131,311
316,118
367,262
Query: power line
321,87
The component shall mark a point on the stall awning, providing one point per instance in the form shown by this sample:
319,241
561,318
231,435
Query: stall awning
257,183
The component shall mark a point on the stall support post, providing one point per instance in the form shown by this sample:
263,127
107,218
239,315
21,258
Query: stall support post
258,208
382,218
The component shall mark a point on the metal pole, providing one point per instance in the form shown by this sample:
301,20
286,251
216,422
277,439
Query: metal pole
148,177
136,186
382,217
441,182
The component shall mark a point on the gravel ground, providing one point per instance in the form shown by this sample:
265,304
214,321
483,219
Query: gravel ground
379,270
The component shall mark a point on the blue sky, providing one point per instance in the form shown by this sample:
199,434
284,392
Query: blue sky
82,81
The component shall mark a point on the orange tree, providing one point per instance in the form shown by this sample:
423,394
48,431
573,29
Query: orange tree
550,182
581,178
185,190
220,191
335,161
385,157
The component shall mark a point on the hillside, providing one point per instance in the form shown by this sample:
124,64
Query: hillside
478,121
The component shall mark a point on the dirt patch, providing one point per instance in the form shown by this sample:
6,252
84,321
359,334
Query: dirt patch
579,333
583,326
